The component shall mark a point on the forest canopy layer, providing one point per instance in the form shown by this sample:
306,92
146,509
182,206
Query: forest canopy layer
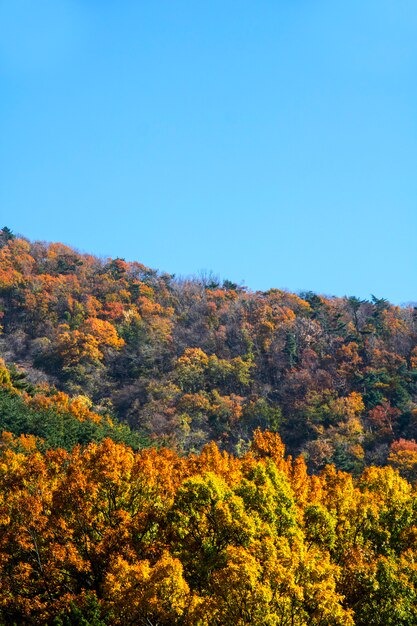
142,476
104,536
185,362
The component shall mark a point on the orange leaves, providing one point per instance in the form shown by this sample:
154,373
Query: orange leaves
104,333
299,479
146,292
12,272
16,254
237,359
194,402
147,308
392,320
156,316
211,538
268,444
349,358
92,306
89,343
220,295
79,406
211,459
227,408
413,358
75,347
272,313
403,456
114,311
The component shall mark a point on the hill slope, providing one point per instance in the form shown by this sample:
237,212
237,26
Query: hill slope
186,362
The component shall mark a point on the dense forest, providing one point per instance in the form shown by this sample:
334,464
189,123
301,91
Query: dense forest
187,451
185,362
102,535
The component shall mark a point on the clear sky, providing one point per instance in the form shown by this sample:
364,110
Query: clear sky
272,142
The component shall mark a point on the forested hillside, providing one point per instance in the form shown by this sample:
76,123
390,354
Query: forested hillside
185,362
143,474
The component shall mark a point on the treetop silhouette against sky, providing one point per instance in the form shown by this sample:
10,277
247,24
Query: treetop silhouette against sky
273,144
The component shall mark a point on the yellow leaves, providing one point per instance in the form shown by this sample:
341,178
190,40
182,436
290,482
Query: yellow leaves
146,291
16,256
15,263
283,586
161,328
193,357
347,407
208,516
190,369
10,458
158,319
204,540
170,588
354,404
9,278
5,379
80,407
239,596
320,599
290,300
123,575
55,250
139,593
195,371
385,484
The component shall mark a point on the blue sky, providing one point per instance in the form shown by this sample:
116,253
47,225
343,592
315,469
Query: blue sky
273,142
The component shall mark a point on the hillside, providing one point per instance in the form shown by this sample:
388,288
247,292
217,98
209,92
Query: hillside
143,474
184,362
